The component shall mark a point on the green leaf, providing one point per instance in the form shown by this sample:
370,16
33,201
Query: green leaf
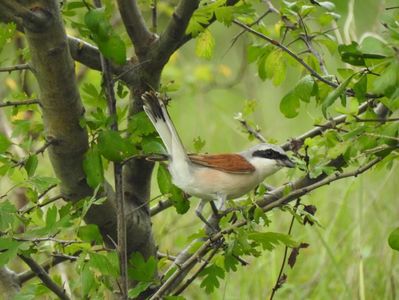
140,269
198,143
51,216
153,146
166,186
225,14
113,48
90,233
212,274
93,18
31,165
109,43
113,147
140,125
4,143
87,279
331,97
42,183
327,5
304,88
107,263
269,240
205,45
360,88
8,250
275,67
93,167
138,289
351,54
289,105
7,215
393,239
387,82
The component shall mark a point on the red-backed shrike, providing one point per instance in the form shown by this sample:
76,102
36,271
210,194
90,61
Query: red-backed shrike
212,176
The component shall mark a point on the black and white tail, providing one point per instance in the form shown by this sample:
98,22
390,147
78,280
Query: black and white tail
155,109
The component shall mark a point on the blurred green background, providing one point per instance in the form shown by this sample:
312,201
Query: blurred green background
348,257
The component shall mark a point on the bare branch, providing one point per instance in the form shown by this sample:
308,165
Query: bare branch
15,68
161,206
135,26
19,103
44,277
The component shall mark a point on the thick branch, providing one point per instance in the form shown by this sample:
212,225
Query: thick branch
175,30
135,26
44,277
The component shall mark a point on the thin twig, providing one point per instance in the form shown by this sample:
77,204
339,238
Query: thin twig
277,285
15,68
44,277
252,131
49,201
139,36
154,15
312,72
195,275
18,103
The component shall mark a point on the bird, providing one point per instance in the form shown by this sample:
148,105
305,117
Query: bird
210,177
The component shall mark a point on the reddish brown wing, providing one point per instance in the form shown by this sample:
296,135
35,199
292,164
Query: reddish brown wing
231,163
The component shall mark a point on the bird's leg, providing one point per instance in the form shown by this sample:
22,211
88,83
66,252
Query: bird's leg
198,212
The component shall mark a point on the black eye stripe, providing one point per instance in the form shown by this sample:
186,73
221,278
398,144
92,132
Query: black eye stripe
269,153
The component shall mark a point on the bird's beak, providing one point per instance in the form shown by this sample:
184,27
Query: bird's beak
288,163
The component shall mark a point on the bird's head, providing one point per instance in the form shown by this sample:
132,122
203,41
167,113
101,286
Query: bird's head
267,158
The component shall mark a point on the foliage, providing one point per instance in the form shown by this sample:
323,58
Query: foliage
292,46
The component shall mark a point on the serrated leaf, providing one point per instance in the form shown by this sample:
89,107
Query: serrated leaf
90,233
8,250
205,44
269,240
113,147
212,274
333,96
393,239
42,183
140,125
224,14
141,269
93,167
107,263
289,105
